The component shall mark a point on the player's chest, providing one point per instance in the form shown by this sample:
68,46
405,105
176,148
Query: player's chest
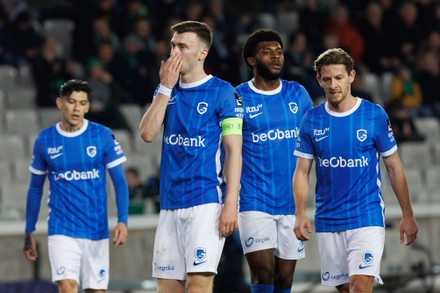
73,154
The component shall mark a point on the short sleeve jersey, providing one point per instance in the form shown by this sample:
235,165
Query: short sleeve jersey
347,148
271,124
192,156
76,164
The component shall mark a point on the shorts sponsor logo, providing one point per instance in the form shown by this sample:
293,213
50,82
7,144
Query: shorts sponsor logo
327,276
164,268
251,240
61,270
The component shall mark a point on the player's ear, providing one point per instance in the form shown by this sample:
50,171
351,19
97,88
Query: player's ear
58,102
251,61
203,54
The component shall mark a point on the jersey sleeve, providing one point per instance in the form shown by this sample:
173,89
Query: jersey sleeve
231,104
385,141
114,155
304,146
38,164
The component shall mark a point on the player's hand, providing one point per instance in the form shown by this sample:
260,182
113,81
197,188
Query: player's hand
408,230
228,220
302,224
169,70
120,235
30,247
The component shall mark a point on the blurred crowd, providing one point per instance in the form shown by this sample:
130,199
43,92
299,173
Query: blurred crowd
118,44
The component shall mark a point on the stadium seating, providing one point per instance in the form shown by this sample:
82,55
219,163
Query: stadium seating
22,122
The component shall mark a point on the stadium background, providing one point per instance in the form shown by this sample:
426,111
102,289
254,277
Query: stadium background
44,43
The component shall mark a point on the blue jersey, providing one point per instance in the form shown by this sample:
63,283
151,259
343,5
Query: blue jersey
270,129
75,164
347,148
192,157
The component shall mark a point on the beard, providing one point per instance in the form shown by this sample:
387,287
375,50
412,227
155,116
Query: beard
264,71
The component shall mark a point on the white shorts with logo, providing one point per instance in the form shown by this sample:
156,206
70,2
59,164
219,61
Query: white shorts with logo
83,260
260,231
187,241
351,252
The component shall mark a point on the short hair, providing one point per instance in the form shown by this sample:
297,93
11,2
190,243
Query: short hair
258,36
201,29
334,56
74,85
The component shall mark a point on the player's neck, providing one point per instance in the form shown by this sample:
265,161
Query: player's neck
70,128
347,104
265,84
194,76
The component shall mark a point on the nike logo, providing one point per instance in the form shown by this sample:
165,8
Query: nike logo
361,267
254,115
300,249
320,138
172,100
55,156
198,263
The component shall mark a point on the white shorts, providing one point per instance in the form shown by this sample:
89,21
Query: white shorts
351,252
83,260
260,231
187,241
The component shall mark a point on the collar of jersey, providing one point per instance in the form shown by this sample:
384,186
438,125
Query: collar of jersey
346,113
72,134
196,83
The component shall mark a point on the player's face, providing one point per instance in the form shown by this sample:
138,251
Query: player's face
192,49
73,109
269,60
336,82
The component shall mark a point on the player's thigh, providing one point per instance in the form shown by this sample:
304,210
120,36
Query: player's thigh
365,246
200,282
288,246
204,244
95,270
168,253
64,257
258,231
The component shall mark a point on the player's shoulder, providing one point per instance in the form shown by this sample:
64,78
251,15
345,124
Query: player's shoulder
220,82
98,128
370,106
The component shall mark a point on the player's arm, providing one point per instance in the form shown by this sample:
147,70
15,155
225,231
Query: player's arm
232,142
153,119
33,202
300,183
121,191
396,173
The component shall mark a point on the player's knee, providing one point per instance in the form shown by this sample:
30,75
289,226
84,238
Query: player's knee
67,286
361,284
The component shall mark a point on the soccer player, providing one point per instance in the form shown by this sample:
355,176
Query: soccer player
346,136
201,150
273,110
75,154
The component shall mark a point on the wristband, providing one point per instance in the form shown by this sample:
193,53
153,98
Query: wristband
166,91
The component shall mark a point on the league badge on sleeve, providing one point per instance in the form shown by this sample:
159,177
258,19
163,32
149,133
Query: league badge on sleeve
238,100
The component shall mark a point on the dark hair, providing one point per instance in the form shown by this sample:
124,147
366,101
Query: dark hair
74,85
334,56
258,36
201,29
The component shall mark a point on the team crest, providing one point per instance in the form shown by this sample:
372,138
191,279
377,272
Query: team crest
91,151
361,135
293,107
202,107
200,253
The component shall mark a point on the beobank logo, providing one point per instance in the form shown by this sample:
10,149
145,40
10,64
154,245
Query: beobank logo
177,139
340,162
276,134
77,175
